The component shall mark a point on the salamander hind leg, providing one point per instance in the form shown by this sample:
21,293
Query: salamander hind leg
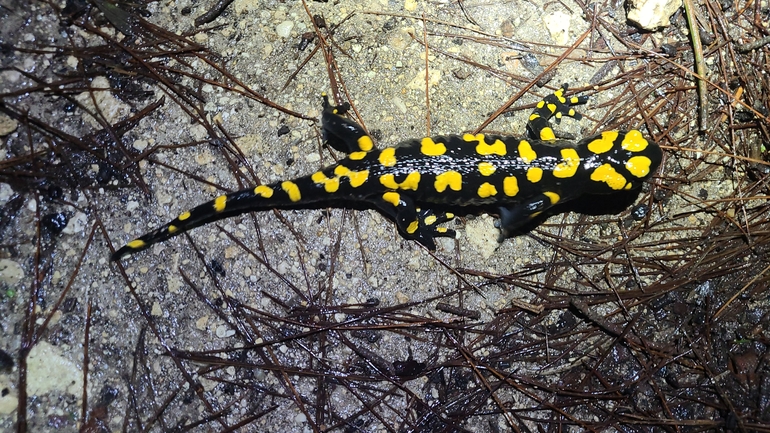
555,105
422,225
341,133
514,217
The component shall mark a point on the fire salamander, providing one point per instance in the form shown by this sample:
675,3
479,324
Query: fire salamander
410,182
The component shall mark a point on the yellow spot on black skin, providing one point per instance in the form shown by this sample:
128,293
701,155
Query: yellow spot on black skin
431,148
603,144
534,174
552,196
526,153
412,181
136,243
413,226
261,190
393,198
639,166
292,190
430,220
511,186
634,141
486,168
496,148
452,179
220,203
569,165
482,148
357,156
184,216
172,228
365,143
330,184
470,138
607,174
318,177
388,157
341,170
560,95
389,181
546,134
357,178
487,190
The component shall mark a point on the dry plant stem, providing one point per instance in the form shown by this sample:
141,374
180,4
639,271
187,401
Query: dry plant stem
427,75
700,67
532,82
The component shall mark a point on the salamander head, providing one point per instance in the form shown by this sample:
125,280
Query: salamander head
618,161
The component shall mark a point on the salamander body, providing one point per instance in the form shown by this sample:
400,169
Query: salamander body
410,181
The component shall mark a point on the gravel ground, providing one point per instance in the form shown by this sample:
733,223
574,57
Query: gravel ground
270,315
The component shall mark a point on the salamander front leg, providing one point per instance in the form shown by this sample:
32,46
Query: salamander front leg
554,105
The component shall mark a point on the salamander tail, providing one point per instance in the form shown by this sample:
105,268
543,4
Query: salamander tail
258,198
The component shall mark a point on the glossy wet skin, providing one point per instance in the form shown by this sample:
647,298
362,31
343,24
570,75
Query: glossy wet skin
523,176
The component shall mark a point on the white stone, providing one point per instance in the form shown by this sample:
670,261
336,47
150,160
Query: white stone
557,24
10,401
284,29
482,235
10,272
10,76
110,107
76,224
652,14
140,145
49,371
418,82
221,331
6,192
7,125
156,310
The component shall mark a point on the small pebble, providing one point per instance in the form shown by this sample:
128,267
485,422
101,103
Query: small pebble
284,29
